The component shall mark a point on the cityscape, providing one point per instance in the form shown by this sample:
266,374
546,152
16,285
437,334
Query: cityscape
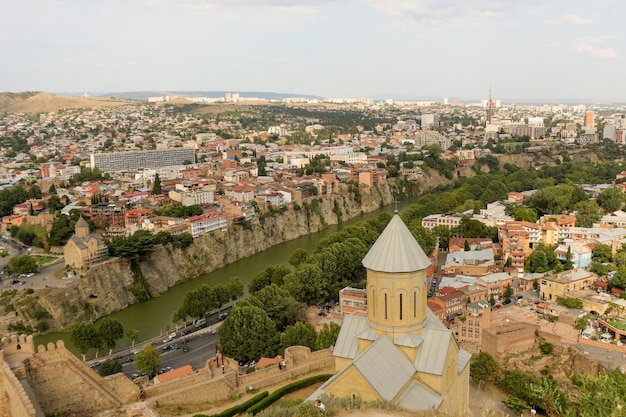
513,237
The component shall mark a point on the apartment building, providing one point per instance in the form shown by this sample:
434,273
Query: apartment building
124,161
206,223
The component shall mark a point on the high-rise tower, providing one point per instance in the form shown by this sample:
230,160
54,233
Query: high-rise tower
489,108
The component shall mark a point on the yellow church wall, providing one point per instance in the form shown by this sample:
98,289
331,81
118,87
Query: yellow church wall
341,363
456,400
450,372
352,383
393,317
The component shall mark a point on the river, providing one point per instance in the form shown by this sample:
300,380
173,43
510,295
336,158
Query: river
153,317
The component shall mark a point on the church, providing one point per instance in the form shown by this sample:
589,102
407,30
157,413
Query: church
401,352
84,248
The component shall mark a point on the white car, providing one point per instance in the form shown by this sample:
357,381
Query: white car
168,339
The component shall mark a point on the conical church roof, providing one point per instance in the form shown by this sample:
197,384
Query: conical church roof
396,250
81,222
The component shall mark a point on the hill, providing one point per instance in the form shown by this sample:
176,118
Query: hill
36,102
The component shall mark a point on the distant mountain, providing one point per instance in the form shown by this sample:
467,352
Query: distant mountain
143,95
36,101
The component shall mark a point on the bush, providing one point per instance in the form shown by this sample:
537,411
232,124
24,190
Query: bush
546,348
287,389
240,408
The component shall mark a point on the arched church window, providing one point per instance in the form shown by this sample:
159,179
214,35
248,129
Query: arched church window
386,308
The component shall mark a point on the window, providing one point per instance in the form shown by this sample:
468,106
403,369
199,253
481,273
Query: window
414,304
386,315
401,307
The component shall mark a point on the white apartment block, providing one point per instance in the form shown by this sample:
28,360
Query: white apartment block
430,137
124,161
206,223
192,198
350,158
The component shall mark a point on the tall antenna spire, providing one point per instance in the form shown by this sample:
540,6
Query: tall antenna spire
489,107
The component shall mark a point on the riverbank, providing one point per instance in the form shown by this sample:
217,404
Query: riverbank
108,289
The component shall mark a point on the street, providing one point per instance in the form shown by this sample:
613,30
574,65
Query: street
200,344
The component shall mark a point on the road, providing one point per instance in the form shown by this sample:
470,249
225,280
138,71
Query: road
40,279
200,343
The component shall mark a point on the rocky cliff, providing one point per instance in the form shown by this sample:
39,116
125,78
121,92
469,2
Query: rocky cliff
108,288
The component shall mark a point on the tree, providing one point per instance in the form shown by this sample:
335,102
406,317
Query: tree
298,256
583,322
85,337
132,334
54,204
271,274
22,264
234,287
299,334
111,330
148,360
508,293
327,337
197,303
307,284
602,253
587,213
484,369
109,367
466,246
568,259
275,301
492,300
248,334
156,187
611,199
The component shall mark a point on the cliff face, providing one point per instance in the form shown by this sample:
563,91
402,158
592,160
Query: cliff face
109,288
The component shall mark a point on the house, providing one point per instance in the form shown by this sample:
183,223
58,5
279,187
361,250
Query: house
401,352
84,248
561,284
579,253
352,300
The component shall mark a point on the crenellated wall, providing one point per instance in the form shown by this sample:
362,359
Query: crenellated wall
14,399
62,383
18,344
202,390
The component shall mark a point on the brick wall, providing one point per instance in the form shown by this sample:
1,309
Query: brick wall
501,341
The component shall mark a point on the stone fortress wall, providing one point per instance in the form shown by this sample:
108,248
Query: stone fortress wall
50,379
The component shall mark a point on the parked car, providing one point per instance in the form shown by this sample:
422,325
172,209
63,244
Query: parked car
497,306
94,365
506,302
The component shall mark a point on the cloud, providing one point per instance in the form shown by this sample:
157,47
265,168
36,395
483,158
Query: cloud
438,12
300,7
577,20
587,48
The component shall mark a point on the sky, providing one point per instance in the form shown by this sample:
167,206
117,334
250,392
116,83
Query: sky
542,50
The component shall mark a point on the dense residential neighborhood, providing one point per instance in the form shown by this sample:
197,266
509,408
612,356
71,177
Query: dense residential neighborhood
512,236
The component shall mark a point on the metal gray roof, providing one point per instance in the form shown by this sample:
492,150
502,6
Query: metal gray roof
409,340
396,250
347,344
463,359
432,355
385,367
417,396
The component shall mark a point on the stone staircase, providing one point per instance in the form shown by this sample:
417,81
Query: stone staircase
93,384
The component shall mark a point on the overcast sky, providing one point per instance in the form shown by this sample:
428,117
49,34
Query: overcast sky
423,49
